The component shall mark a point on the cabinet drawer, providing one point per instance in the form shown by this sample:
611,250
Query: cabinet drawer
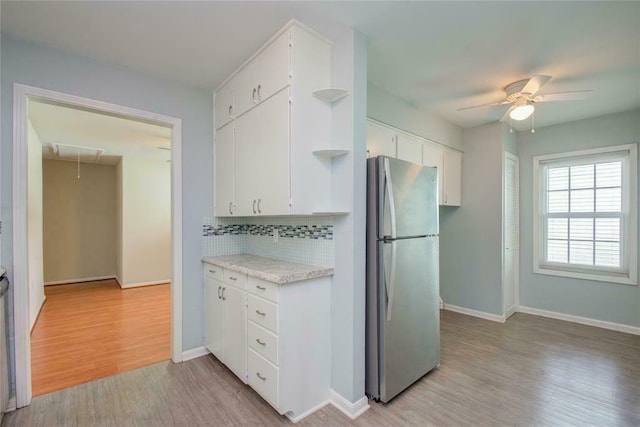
263,377
263,342
263,288
263,312
235,279
213,272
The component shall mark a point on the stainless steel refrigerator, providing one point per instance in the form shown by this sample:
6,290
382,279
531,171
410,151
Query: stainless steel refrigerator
403,319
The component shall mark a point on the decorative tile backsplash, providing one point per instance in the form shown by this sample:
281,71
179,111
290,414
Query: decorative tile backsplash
307,240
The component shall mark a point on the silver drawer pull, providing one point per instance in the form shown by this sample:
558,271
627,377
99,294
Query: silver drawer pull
260,342
261,377
262,288
260,313
232,278
212,271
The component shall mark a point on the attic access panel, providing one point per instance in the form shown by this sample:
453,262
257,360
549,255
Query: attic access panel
75,152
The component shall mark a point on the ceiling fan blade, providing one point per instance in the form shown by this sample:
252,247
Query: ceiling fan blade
578,95
534,84
484,105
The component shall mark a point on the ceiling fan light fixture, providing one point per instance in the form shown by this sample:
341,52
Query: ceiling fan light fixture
521,112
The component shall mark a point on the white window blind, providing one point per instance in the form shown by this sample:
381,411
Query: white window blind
585,213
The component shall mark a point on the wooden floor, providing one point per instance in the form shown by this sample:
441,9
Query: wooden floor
529,371
93,330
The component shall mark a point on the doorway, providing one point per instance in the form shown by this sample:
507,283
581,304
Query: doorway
510,233
22,313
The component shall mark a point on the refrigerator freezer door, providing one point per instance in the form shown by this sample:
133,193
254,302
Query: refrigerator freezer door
409,318
408,201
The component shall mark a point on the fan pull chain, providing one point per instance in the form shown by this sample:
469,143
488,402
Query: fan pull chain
78,164
510,125
533,121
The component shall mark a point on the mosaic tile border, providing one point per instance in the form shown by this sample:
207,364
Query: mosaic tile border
314,232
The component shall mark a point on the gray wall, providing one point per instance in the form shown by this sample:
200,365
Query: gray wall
597,300
471,235
61,71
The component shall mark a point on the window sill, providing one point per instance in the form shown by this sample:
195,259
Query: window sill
620,279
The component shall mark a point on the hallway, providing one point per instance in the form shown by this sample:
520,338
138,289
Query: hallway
93,330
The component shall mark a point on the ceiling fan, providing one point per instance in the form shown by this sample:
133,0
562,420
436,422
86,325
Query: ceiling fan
522,95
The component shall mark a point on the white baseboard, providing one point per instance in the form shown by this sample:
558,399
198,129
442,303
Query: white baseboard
635,330
475,313
307,413
84,279
194,353
38,314
351,410
11,405
510,311
141,284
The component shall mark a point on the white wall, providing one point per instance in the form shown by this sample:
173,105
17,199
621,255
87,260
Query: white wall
34,222
395,111
79,223
145,253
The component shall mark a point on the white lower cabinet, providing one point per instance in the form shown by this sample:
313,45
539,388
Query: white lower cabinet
285,353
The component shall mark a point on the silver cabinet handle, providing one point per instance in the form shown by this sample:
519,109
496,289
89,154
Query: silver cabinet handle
232,278
259,95
259,200
259,313
230,110
260,376
223,297
260,342
212,271
219,297
253,96
231,207
262,288
254,206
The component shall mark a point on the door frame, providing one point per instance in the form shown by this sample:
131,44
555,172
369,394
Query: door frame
21,95
516,306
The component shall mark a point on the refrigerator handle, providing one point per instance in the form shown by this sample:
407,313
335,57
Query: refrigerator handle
391,282
389,190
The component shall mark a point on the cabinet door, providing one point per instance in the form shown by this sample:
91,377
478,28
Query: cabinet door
273,155
409,149
381,141
432,155
246,163
235,331
245,94
224,174
214,315
273,66
452,178
223,105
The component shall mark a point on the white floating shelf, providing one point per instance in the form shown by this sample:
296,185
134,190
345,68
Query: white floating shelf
330,152
330,95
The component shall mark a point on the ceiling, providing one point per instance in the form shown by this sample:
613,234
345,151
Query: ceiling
439,56
117,136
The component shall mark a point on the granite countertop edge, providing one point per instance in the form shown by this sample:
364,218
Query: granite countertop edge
269,269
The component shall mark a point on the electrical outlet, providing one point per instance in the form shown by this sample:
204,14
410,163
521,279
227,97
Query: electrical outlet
276,235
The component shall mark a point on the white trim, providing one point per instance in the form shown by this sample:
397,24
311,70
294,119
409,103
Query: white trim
35,320
194,353
635,330
414,135
143,284
475,313
11,405
21,94
307,413
351,410
511,310
572,271
84,279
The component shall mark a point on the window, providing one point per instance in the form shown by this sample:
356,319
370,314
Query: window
585,215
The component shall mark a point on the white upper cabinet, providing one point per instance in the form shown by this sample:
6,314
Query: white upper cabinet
433,155
409,148
279,125
224,170
452,178
223,105
381,141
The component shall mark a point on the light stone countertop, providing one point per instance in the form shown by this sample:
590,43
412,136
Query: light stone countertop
269,269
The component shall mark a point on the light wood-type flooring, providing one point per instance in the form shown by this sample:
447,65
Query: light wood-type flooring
528,371
93,330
